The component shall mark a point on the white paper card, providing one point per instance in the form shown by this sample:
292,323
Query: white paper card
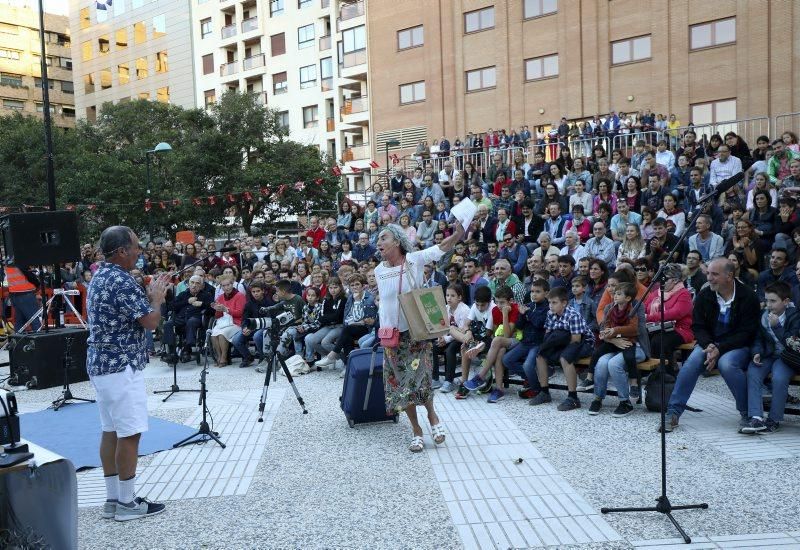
464,212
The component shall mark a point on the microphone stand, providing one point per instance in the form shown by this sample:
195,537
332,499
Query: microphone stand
663,504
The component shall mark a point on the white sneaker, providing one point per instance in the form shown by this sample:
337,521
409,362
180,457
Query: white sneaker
325,362
447,387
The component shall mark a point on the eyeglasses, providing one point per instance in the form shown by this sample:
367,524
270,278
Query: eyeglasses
641,269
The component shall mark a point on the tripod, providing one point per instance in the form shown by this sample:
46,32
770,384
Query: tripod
663,504
66,395
172,358
272,371
204,432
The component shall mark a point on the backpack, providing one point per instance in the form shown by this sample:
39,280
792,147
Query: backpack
652,396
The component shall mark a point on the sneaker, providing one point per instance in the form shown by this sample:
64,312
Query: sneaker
771,426
488,384
623,409
141,508
477,348
109,509
245,363
586,384
342,373
754,426
325,362
569,404
447,387
670,424
436,384
594,408
527,393
744,422
636,393
462,392
495,396
541,399
474,383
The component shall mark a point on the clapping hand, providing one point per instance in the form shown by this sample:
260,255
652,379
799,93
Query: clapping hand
157,289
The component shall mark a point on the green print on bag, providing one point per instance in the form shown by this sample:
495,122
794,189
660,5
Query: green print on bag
433,314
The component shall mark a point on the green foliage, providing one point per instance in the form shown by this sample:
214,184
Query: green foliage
236,146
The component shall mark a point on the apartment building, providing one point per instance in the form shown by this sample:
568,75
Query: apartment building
458,66
305,58
133,49
21,62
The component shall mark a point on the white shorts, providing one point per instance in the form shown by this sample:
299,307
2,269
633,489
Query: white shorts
122,400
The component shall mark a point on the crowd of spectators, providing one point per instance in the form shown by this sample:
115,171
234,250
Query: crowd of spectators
558,254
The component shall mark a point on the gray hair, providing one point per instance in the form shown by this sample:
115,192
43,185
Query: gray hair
115,237
572,233
544,235
399,234
674,271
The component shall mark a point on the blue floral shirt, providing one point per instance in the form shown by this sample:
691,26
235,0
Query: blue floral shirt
115,302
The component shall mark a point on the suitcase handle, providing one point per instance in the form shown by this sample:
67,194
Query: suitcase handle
369,382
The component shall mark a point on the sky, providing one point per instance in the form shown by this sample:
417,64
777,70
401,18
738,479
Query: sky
60,7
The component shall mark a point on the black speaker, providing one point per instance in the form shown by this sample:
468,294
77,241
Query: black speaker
37,358
41,238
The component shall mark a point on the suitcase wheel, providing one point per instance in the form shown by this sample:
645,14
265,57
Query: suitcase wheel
396,419
351,423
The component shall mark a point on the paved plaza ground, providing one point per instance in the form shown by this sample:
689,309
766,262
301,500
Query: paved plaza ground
310,481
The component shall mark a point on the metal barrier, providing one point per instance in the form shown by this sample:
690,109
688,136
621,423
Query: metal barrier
583,147
788,122
626,142
551,150
748,128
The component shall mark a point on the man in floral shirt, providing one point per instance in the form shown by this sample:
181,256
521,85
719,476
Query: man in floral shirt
119,311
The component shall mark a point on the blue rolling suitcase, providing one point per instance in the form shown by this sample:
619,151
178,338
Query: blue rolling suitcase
363,399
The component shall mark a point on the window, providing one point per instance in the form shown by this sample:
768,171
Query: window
139,33
210,97
121,38
144,95
537,8
481,79
64,63
102,15
37,83
68,112
40,108
714,33
11,79
205,27
326,68
162,94
86,50
9,54
161,62
354,39
141,68
86,22
13,104
278,44
88,83
67,87
714,112
103,44
275,7
105,78
632,49
119,7
208,63
159,26
279,85
6,28
541,67
303,4
479,20
305,36
283,119
310,116
308,76
123,73
410,38
412,93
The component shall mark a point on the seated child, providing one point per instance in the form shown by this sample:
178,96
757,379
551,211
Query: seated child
447,345
522,357
475,339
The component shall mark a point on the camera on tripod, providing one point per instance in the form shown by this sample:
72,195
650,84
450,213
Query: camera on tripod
275,317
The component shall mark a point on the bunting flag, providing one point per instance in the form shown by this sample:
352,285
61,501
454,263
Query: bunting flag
247,196
162,205
336,171
147,205
197,201
231,198
72,207
300,185
374,164
319,181
176,202
355,169
281,189
395,159
91,207
266,191
103,4
212,200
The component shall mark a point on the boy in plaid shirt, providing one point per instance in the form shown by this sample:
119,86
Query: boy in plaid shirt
567,339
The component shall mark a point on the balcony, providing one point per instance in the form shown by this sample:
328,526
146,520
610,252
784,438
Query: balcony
353,59
250,25
227,69
355,111
330,124
324,43
229,31
357,152
351,11
253,62
327,84
261,98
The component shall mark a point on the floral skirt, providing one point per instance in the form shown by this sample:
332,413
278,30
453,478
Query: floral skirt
407,373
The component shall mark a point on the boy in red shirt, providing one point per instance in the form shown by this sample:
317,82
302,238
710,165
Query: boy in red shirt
505,315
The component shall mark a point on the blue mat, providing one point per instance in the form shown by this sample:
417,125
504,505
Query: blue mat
74,433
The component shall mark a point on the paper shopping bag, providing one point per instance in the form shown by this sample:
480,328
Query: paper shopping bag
425,312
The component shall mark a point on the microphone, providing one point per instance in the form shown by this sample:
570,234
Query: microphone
67,292
723,186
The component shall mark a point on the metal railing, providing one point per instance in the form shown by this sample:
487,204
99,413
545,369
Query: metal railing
357,152
325,43
748,128
626,142
787,122
330,124
326,84
353,59
227,69
228,31
351,11
250,24
253,61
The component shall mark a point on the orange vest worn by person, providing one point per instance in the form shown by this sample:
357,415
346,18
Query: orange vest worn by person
17,281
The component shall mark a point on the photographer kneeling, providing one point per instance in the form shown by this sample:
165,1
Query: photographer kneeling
360,313
256,303
287,302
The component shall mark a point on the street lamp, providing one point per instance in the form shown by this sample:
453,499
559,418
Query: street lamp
160,148
390,143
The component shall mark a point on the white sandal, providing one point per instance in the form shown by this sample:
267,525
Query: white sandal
417,444
438,433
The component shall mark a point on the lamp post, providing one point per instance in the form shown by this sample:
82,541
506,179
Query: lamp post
390,143
160,148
